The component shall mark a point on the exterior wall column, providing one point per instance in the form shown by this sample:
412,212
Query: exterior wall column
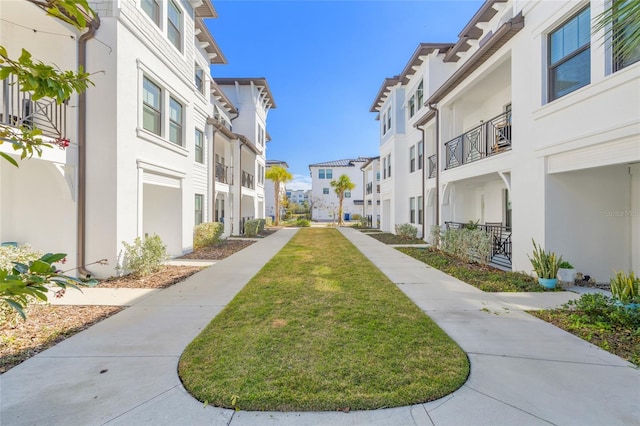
375,196
236,189
140,204
211,174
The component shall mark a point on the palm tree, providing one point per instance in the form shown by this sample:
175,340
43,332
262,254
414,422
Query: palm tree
342,184
621,22
278,175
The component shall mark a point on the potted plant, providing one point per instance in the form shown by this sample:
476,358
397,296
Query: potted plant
566,272
546,265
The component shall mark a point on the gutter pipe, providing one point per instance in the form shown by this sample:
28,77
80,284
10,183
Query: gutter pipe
433,108
82,156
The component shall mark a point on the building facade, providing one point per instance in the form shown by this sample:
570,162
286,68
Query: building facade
527,131
324,200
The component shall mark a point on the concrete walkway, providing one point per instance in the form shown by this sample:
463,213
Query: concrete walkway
123,370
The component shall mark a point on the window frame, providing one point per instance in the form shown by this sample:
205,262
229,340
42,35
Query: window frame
347,194
412,159
321,174
618,63
156,111
178,125
198,212
329,173
420,155
325,191
171,25
420,202
412,209
199,80
199,147
412,105
551,67
420,95
156,9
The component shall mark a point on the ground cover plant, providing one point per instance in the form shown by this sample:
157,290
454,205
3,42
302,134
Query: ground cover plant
320,328
598,319
389,238
478,275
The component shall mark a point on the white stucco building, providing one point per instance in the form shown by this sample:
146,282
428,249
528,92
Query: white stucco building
146,140
371,180
528,126
324,200
298,196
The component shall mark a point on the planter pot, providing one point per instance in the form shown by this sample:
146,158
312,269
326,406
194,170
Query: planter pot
548,282
567,275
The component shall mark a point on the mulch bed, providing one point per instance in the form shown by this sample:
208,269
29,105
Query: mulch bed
165,277
218,251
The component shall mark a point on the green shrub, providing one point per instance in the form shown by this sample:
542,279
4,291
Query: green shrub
206,234
435,235
406,231
22,254
598,309
468,244
252,227
356,216
625,288
261,225
144,257
565,265
302,223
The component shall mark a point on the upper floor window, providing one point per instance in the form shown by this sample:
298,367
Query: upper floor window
420,154
320,173
347,194
412,159
325,191
389,165
175,121
420,94
384,168
412,210
199,78
151,107
624,29
569,55
199,152
151,8
389,119
261,136
174,25
378,175
329,174
412,105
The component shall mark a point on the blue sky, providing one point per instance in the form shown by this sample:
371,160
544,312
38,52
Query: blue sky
325,61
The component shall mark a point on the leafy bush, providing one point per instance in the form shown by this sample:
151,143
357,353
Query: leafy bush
565,265
356,217
302,223
206,234
546,264
144,257
598,309
253,227
435,235
22,254
626,288
406,231
468,244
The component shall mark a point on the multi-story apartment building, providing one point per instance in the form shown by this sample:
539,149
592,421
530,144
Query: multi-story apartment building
270,190
371,180
298,196
528,130
324,201
144,139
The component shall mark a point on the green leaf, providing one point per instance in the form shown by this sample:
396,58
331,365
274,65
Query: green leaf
16,306
53,258
40,267
9,159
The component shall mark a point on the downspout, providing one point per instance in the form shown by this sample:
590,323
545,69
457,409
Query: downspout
212,160
423,184
437,200
240,190
364,194
82,157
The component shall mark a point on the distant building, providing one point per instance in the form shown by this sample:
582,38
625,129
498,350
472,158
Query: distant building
269,189
299,196
324,200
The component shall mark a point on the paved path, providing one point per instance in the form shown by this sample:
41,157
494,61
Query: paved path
123,370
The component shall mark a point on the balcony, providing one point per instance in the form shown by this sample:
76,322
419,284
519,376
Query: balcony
222,172
432,166
247,180
17,109
485,140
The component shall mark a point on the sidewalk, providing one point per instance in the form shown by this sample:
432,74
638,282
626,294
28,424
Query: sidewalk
123,370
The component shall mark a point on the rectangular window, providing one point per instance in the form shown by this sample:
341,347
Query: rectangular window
325,191
384,168
419,210
412,210
199,78
175,121
569,56
198,209
412,159
384,123
389,119
420,95
624,32
412,106
378,175
174,25
199,146
347,194
151,8
320,173
151,106
420,154
389,165
329,174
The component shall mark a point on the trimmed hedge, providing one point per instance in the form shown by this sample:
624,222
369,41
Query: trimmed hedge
206,234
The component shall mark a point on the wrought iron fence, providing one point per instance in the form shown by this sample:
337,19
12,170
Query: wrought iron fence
432,166
18,109
247,180
489,138
222,173
501,248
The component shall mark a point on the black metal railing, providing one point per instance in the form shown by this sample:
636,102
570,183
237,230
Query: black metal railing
489,138
369,188
222,173
501,248
18,109
432,166
247,180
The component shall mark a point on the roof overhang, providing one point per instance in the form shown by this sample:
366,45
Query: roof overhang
488,46
428,116
369,161
206,41
472,31
383,93
416,60
219,95
246,142
270,163
222,128
259,82
203,9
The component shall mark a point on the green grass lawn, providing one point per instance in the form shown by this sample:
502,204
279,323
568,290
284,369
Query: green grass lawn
389,238
321,328
481,276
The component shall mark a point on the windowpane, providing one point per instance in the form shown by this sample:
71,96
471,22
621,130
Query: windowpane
325,191
175,121
419,94
198,209
347,194
321,174
412,210
412,159
151,116
151,8
174,25
329,174
199,153
571,75
199,79
420,155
